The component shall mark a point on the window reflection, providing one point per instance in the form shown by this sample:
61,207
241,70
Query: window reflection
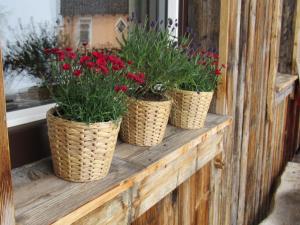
27,27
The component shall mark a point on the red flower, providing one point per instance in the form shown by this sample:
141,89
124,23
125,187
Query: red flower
223,65
215,56
77,73
101,61
119,88
215,63
97,54
218,72
116,67
104,69
72,55
139,78
129,62
123,88
66,66
68,49
61,57
90,64
84,58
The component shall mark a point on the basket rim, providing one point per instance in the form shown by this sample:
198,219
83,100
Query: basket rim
163,102
178,90
108,123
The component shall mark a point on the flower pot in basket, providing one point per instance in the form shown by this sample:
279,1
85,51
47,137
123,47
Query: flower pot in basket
145,122
190,108
81,152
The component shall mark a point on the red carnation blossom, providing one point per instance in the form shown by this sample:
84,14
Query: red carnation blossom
215,56
84,58
72,55
116,67
119,88
129,62
69,49
77,73
218,72
104,69
223,65
123,88
90,64
66,66
97,54
61,57
101,61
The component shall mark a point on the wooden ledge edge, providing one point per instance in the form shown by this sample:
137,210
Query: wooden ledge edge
130,182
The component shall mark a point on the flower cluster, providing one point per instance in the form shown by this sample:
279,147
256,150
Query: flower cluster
154,52
204,72
91,86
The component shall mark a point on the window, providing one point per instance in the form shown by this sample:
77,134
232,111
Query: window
85,30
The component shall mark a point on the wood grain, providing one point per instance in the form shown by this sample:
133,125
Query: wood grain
145,174
6,201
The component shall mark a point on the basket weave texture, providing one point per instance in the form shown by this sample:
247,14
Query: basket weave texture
145,122
189,109
81,152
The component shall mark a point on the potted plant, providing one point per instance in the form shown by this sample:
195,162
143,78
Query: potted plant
192,97
91,100
153,51
25,55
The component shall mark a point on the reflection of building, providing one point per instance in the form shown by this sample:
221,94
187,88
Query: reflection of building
97,22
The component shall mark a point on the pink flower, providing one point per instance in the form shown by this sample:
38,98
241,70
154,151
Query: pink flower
66,66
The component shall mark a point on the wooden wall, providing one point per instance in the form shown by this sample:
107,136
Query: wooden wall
6,201
264,135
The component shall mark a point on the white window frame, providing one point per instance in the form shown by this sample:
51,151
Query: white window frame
80,20
173,13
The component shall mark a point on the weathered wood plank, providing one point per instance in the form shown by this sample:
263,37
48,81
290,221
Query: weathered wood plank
283,81
42,198
6,194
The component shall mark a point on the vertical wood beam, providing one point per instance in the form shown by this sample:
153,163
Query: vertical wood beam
296,48
6,200
274,54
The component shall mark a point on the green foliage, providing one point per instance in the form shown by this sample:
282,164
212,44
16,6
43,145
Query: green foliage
204,71
27,51
90,87
155,52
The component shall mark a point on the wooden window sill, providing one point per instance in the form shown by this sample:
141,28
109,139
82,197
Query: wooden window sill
285,85
42,198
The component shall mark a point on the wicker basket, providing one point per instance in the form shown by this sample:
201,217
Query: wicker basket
81,152
146,122
189,109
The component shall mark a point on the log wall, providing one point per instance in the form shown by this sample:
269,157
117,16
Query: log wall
265,132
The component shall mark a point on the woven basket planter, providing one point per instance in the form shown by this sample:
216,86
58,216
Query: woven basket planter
81,152
145,122
189,109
